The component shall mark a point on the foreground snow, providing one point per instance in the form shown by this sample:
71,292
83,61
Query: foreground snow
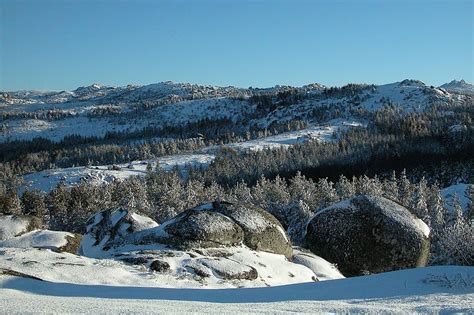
431,289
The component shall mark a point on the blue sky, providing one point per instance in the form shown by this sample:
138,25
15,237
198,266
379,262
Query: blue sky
60,45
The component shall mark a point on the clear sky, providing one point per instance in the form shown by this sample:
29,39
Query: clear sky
60,45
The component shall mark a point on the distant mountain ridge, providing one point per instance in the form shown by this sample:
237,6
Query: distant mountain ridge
458,87
96,110
109,94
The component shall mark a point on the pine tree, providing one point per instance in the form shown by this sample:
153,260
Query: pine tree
436,209
457,215
326,193
405,189
303,189
419,203
242,193
345,188
298,214
469,213
390,187
57,202
149,167
10,204
33,203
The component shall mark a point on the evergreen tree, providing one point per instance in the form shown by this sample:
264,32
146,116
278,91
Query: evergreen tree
33,203
345,189
326,193
57,202
10,204
457,215
298,215
469,213
390,187
405,189
419,202
436,209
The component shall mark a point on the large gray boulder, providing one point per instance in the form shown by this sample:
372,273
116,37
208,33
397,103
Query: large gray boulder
194,228
262,231
368,234
110,228
16,225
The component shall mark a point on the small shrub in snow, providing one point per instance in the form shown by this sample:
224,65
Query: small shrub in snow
456,244
454,281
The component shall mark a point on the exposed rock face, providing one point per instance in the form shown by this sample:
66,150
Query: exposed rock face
217,224
72,245
368,234
16,225
140,260
204,244
110,227
159,266
262,231
194,228
230,270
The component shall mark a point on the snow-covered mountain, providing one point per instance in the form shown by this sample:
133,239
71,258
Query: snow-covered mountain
97,93
54,115
458,87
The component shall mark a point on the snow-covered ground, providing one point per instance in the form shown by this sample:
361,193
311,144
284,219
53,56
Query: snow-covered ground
102,174
461,191
325,133
425,290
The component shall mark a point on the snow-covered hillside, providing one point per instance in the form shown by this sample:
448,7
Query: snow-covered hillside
95,110
102,174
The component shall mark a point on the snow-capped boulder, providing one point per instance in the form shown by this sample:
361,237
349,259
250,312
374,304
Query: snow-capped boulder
16,225
194,228
111,227
262,231
368,234
54,240
322,268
